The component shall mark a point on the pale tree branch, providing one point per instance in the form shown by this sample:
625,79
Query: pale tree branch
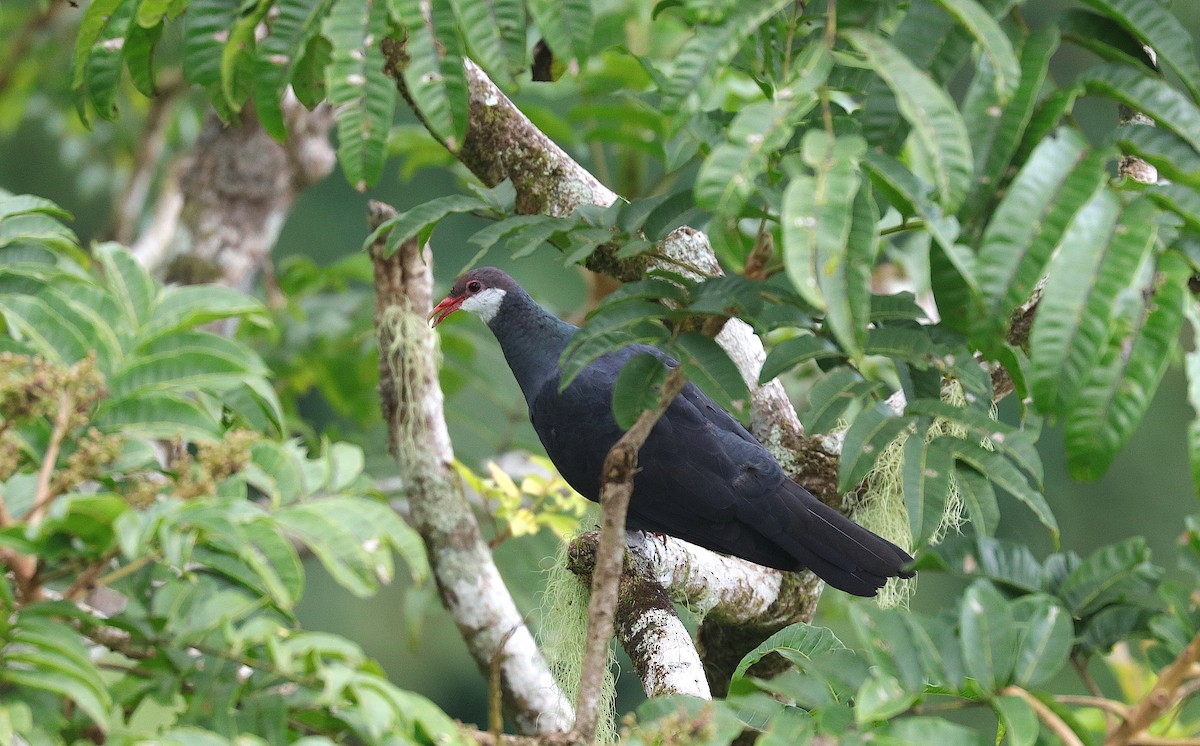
468,581
1161,697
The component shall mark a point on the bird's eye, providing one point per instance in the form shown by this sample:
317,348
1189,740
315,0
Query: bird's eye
474,286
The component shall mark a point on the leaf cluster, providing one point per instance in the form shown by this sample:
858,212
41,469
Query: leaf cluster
1004,647
146,475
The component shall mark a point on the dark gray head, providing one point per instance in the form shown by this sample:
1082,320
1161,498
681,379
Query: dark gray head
480,291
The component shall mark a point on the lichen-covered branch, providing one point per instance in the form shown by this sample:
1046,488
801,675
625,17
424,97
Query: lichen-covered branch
469,583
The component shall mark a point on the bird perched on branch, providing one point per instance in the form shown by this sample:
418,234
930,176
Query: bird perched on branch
702,477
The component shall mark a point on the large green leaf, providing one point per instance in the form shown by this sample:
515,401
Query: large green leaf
1160,30
1099,254
975,489
1045,639
989,636
361,93
158,415
415,221
1118,390
798,640
930,112
180,371
289,28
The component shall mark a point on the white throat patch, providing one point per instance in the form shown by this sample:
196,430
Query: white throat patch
486,303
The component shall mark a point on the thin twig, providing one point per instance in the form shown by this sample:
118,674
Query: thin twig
1048,717
1100,703
87,579
620,466
496,688
42,494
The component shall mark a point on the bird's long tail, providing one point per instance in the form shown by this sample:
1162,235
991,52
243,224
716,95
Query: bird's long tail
841,552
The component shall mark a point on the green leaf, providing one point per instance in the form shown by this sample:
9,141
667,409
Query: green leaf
308,75
1100,252
38,228
830,396
132,288
988,636
102,70
1055,183
1113,573
709,52
930,112
868,436
727,177
1159,29
792,352
1182,200
495,34
207,24
434,76
1013,443
1117,391
25,204
566,25
156,415
361,93
93,23
976,492
290,26
179,371
930,730
48,655
890,647
139,56
637,388
187,306
709,367
992,41
1045,640
825,267
1147,95
1000,471
800,639
927,473
412,222
881,697
1018,718
1103,36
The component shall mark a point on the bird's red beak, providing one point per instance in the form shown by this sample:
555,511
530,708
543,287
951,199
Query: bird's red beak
448,306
